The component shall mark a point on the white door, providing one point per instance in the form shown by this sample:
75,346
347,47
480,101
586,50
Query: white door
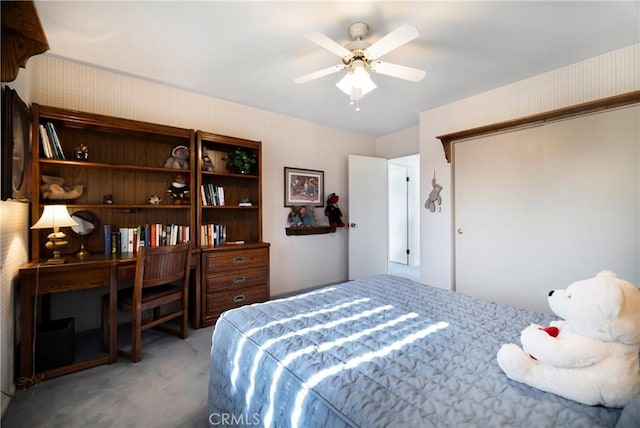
368,218
398,214
539,208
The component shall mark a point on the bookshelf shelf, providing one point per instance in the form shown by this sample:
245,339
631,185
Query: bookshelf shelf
125,161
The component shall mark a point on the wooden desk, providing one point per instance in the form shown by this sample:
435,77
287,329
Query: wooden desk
38,279
98,270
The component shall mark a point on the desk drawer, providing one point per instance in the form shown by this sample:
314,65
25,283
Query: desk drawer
225,300
217,262
237,278
54,282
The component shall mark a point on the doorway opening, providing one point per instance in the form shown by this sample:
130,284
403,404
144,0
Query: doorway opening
404,216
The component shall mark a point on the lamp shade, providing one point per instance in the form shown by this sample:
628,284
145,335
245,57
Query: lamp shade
356,83
54,216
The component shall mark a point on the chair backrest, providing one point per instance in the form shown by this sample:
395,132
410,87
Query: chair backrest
162,265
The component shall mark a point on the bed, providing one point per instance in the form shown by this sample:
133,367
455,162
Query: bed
378,352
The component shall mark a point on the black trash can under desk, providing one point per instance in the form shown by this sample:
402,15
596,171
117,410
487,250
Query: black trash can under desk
55,344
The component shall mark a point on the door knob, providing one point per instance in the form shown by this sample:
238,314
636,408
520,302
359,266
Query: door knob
460,231
353,225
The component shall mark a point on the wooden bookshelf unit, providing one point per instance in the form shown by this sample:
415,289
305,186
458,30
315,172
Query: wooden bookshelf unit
124,159
235,268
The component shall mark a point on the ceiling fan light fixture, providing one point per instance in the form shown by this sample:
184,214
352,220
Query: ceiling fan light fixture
356,82
360,57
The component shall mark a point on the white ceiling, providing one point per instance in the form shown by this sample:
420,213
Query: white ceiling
250,52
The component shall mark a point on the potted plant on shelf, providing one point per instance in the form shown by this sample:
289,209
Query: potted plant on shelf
242,161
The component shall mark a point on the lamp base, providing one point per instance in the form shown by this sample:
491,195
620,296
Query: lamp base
56,260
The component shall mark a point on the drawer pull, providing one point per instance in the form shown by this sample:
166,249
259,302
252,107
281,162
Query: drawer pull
238,260
239,279
239,298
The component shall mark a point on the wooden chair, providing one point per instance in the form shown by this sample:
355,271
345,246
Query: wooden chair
162,278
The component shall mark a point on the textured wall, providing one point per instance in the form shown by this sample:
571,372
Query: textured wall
14,249
296,262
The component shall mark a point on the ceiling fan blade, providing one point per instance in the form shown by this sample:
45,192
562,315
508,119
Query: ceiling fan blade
400,71
398,37
319,73
329,44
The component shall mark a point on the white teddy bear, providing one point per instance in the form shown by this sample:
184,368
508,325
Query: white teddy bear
593,355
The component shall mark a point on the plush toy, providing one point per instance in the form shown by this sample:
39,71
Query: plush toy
435,200
333,212
207,164
592,355
179,190
53,188
308,216
178,159
295,216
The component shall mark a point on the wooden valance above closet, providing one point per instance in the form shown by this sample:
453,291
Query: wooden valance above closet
565,112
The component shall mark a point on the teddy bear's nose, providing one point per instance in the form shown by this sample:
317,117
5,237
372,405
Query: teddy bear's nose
551,293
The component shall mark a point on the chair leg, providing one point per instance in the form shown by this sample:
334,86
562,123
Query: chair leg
184,332
136,336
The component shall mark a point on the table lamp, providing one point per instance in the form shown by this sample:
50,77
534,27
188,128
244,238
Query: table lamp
55,216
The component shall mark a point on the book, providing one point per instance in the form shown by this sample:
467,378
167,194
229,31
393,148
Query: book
46,145
124,239
116,243
107,239
55,142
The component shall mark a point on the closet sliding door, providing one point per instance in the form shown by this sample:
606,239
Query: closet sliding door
538,208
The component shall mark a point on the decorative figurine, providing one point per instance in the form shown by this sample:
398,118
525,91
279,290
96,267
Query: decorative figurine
81,152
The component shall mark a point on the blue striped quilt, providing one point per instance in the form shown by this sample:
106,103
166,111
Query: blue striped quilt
378,352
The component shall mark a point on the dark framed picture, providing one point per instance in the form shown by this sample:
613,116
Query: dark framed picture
303,187
16,147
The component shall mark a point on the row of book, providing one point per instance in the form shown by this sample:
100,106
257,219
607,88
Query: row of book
213,235
129,239
212,195
51,147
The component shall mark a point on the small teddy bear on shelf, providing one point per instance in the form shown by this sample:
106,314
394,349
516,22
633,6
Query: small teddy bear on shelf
179,158
178,191
332,211
207,164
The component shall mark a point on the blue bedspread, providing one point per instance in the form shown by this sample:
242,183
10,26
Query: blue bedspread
378,352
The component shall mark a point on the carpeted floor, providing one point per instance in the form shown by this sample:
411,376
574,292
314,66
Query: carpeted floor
168,388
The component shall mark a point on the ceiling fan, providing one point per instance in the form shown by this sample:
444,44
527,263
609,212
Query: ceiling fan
358,56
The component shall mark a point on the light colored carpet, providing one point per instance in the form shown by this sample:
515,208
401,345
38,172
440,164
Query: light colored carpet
168,388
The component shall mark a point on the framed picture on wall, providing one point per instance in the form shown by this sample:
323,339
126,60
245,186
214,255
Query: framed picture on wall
16,147
303,187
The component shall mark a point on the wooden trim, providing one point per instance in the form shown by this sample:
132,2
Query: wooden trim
22,36
561,113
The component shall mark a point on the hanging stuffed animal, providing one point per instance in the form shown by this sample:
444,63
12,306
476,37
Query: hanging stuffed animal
434,196
332,211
